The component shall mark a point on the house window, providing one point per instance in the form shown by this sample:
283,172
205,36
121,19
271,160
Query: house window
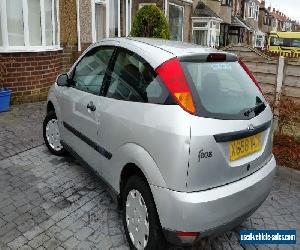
141,5
206,33
251,11
106,19
256,12
226,2
100,20
29,25
176,22
259,41
1,43
35,28
114,17
200,37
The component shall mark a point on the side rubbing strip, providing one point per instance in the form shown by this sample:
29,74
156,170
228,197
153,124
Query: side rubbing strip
88,141
241,134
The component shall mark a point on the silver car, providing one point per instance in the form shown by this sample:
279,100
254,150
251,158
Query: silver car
181,134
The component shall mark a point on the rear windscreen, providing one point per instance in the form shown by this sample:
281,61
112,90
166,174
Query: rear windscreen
223,90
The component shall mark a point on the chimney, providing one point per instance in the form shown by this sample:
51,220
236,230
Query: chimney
277,12
274,10
263,3
269,8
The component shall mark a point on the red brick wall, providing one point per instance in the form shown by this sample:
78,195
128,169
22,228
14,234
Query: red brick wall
30,74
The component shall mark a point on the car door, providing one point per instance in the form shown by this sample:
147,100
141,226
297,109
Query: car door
81,106
132,90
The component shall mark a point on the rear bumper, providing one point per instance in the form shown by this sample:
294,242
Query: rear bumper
215,210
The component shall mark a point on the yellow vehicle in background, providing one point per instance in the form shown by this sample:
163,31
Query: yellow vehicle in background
284,43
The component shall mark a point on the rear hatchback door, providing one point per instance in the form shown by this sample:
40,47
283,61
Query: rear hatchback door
231,133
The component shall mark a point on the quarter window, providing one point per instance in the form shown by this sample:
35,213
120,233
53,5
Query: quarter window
133,79
29,25
90,71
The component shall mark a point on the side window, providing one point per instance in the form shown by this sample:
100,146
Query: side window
133,79
89,72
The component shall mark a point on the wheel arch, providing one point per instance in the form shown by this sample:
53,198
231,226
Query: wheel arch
50,107
129,170
132,158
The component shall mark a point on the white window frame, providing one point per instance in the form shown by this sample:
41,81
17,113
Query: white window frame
210,28
27,47
259,36
182,7
256,14
106,3
128,16
251,10
141,5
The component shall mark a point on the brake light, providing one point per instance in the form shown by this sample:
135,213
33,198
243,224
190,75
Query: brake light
244,66
216,57
173,77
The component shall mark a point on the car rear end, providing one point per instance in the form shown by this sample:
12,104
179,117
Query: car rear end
231,166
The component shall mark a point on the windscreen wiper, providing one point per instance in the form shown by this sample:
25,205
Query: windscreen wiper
260,106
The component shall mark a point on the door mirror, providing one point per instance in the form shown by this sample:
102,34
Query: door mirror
63,80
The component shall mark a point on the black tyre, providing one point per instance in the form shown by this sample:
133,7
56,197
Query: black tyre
51,134
139,213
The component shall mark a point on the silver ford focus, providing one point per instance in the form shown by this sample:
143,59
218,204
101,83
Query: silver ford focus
181,135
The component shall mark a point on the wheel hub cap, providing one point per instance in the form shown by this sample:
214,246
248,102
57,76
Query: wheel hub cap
53,135
137,219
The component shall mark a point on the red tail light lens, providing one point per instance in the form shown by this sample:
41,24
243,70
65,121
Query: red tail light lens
173,77
244,66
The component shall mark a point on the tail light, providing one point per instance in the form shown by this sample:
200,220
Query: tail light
173,77
244,66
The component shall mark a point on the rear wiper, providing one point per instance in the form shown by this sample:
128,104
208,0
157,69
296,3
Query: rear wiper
261,106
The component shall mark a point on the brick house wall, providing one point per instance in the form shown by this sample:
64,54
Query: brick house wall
68,32
30,74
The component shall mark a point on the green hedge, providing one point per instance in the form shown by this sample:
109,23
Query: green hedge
150,21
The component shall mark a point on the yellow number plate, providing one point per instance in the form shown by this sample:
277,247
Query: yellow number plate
245,146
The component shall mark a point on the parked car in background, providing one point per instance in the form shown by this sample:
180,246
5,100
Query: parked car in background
181,134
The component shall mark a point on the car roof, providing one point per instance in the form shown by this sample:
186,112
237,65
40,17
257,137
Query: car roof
177,48
156,51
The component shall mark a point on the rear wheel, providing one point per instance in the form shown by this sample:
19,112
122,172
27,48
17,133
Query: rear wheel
51,134
141,223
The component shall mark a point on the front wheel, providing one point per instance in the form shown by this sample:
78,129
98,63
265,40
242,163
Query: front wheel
51,134
141,223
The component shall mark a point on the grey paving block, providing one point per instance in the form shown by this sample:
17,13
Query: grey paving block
38,240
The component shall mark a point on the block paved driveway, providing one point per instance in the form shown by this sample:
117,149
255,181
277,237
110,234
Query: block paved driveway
49,202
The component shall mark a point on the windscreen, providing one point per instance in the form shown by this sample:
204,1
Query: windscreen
223,90
286,42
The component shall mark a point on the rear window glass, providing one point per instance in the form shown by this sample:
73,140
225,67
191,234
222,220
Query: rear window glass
223,89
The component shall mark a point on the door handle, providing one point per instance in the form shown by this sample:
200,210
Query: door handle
91,107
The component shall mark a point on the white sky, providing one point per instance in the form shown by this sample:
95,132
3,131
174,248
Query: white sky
291,8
